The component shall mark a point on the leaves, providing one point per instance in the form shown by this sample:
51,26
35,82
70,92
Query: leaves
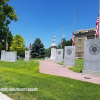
7,14
18,44
65,43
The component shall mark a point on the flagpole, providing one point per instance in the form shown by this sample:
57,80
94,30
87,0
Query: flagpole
6,41
62,36
99,18
30,40
73,24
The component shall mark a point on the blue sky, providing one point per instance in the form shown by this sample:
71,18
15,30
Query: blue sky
44,18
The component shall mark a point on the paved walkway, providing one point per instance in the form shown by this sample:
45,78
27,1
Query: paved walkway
4,97
50,67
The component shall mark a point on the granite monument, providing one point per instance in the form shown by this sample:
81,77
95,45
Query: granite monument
2,54
92,57
27,55
10,56
59,56
69,55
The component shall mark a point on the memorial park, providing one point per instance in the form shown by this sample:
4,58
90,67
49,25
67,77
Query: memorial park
47,66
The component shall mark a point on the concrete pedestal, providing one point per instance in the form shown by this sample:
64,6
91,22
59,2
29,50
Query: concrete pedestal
53,52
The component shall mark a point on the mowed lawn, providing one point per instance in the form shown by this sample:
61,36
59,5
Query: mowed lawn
79,66
25,74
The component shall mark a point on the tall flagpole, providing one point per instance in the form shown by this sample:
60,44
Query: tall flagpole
6,41
62,36
99,18
30,40
73,23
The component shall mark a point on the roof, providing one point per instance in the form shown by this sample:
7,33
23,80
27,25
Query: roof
85,31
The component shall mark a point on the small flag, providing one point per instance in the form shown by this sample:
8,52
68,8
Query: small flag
7,46
61,42
73,39
30,46
97,28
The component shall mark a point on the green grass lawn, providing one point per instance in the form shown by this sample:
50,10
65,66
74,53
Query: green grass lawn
79,66
25,74
31,59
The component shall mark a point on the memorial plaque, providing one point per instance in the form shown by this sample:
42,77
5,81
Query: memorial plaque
10,56
2,54
59,56
27,55
69,55
92,57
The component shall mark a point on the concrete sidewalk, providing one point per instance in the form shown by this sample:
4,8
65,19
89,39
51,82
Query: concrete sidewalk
4,97
50,67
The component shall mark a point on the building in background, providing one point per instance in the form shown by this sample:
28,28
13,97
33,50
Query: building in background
80,36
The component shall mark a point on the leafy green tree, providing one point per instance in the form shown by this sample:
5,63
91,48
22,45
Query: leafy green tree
18,44
48,52
65,43
38,50
26,48
7,14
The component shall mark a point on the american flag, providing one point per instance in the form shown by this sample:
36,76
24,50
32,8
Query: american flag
97,28
30,46
61,42
7,46
73,39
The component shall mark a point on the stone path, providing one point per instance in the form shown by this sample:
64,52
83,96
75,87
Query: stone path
50,67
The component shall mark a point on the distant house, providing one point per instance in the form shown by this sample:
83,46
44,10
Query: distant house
80,36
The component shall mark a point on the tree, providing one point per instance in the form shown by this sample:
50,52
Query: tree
65,43
18,44
38,50
7,14
26,48
48,52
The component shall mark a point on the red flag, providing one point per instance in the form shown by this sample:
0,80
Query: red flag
7,46
97,28
30,46
73,39
61,42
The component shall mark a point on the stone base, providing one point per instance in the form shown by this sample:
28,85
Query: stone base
68,64
26,60
47,58
97,73
52,58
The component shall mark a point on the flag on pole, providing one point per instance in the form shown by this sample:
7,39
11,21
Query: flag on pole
73,39
61,42
7,46
97,28
30,46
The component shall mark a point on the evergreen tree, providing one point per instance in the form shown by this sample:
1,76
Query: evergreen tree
38,50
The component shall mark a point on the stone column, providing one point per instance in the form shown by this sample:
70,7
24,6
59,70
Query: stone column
53,50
